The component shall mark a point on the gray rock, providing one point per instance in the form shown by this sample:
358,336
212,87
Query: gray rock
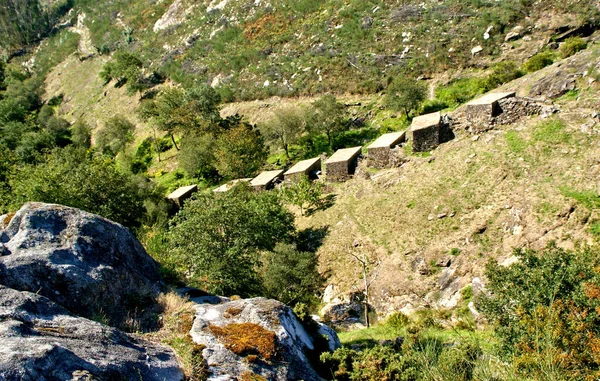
271,322
81,261
43,341
554,86
512,36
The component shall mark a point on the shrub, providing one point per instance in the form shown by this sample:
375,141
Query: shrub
115,135
459,91
291,276
539,61
502,73
541,305
74,178
197,156
304,193
571,46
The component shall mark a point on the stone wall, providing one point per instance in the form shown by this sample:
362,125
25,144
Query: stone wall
426,139
341,170
481,118
379,157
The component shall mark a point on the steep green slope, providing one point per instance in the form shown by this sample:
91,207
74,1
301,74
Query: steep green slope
477,197
257,49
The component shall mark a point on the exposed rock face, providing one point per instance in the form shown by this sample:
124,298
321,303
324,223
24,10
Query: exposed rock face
81,261
554,86
43,341
257,336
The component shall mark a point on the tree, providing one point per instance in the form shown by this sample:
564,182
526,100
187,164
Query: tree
285,127
303,193
240,151
115,135
216,240
197,155
405,94
181,111
75,178
328,117
125,68
81,134
291,276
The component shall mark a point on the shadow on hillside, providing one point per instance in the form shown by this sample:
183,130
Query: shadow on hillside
311,239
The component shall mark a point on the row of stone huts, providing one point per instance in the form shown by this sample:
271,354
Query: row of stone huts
425,133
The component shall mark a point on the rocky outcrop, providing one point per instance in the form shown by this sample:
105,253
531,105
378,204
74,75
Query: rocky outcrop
258,336
554,86
43,341
81,261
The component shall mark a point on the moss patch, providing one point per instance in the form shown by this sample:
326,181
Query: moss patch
247,339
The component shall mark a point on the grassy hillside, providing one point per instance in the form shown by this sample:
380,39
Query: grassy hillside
255,50
477,197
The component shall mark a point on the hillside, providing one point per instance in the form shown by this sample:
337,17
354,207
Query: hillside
474,260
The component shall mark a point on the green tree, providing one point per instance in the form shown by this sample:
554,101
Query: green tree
81,134
176,110
115,135
60,131
75,178
125,68
197,156
328,117
405,94
303,193
285,127
216,240
22,22
240,151
291,276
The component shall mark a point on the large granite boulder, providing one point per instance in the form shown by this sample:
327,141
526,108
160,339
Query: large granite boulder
259,336
42,341
85,263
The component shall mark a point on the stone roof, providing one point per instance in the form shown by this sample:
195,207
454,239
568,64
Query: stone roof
227,186
183,191
491,98
387,140
266,177
425,121
343,154
303,166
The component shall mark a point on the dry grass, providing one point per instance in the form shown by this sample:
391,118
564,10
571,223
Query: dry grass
500,199
247,339
177,319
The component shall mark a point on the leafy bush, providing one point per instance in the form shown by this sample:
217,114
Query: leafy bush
303,193
571,46
539,61
142,158
197,157
74,178
459,91
115,135
291,276
541,305
502,72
